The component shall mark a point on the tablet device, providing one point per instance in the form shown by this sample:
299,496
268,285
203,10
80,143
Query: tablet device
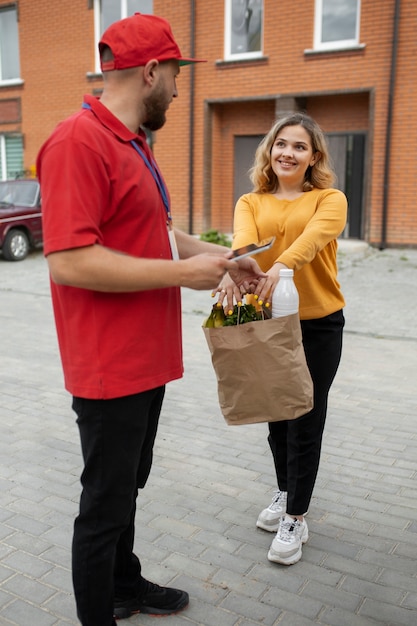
252,248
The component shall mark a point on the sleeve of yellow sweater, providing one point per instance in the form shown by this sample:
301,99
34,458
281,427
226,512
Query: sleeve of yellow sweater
325,225
245,221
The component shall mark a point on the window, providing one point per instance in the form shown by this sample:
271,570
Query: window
243,29
11,156
108,11
9,45
336,24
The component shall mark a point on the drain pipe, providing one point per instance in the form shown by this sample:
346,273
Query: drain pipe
191,124
383,243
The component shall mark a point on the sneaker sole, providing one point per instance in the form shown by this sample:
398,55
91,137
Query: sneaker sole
290,560
124,612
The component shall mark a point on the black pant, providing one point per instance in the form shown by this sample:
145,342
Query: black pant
117,438
296,444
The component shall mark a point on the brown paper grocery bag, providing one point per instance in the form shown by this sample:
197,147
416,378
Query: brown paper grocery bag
261,370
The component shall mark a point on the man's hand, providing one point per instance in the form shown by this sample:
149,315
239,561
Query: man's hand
246,275
204,271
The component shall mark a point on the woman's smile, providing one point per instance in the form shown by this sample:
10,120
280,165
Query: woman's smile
292,155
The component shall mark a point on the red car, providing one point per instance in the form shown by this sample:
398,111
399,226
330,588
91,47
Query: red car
20,217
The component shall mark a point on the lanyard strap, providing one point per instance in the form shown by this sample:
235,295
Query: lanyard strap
153,168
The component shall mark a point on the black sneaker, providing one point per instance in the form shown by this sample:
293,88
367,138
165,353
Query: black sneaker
155,601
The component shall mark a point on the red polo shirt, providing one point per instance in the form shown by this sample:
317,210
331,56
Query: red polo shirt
96,189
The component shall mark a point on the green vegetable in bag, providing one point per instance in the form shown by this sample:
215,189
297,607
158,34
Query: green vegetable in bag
241,314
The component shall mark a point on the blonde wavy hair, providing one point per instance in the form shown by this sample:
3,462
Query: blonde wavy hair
320,175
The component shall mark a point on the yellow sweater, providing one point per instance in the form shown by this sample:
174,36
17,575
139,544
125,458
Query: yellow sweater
306,230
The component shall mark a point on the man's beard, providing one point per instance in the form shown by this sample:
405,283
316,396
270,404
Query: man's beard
155,108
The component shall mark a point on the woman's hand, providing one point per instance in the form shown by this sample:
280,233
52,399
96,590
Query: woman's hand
266,286
228,290
236,283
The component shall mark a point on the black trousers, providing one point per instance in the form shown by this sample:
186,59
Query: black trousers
296,444
117,438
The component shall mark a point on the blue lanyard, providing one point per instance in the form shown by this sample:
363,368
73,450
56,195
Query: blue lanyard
153,168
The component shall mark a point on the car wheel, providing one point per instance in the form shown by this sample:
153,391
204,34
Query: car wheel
16,245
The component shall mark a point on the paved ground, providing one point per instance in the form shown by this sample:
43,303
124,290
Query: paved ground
196,519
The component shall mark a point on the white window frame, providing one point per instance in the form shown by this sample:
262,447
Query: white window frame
17,79
97,29
228,55
339,44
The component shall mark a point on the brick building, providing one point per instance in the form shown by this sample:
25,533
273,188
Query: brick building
348,63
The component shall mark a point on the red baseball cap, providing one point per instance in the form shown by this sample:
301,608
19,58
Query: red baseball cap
137,39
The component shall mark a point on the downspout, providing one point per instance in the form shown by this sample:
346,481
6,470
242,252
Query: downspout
394,51
191,124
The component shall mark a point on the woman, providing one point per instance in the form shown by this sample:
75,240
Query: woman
293,200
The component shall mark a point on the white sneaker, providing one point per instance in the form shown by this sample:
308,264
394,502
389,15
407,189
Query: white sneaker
269,518
286,546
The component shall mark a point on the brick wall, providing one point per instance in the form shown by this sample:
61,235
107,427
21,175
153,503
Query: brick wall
329,83
56,52
345,91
